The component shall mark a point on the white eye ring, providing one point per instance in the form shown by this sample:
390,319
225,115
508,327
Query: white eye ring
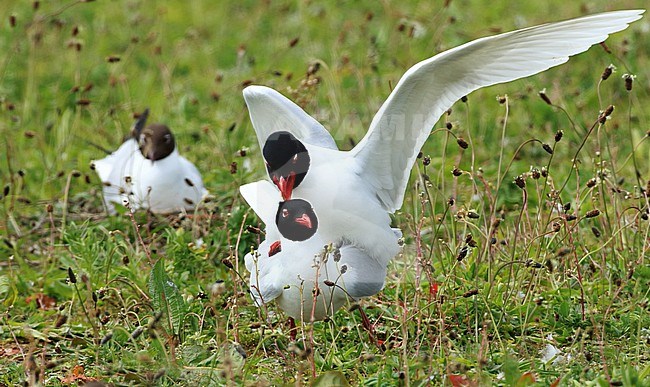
285,212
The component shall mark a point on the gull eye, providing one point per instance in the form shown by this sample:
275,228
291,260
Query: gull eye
285,212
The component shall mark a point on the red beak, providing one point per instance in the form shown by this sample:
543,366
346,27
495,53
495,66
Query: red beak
286,185
304,220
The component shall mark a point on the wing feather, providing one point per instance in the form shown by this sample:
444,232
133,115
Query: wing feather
271,111
403,123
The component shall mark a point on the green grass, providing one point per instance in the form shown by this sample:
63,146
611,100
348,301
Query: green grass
579,284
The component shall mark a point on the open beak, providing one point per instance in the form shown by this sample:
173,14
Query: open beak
286,186
304,220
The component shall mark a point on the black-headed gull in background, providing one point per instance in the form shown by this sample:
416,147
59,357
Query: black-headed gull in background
353,192
285,266
148,172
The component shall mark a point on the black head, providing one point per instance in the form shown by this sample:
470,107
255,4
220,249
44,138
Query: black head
156,142
296,220
287,161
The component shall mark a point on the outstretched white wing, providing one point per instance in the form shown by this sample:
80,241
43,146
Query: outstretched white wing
403,123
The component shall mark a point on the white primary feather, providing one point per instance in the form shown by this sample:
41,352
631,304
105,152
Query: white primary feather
160,186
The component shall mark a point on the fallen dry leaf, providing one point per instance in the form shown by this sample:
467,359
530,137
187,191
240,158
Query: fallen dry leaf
43,301
77,375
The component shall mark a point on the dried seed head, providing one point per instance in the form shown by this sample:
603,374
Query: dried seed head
456,172
544,172
106,338
558,135
556,226
462,253
463,99
592,214
227,263
591,182
253,230
607,72
629,80
336,253
596,232
501,99
71,277
545,97
49,208
570,217
294,41
313,68
426,161
62,319
535,173
567,206
462,143
468,238
473,215
470,293
137,332
608,112
451,201
449,125
520,181
233,167
547,148
329,283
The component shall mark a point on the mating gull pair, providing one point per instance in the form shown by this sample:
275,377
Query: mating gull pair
351,193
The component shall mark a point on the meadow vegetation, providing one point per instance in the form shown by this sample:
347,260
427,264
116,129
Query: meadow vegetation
527,242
